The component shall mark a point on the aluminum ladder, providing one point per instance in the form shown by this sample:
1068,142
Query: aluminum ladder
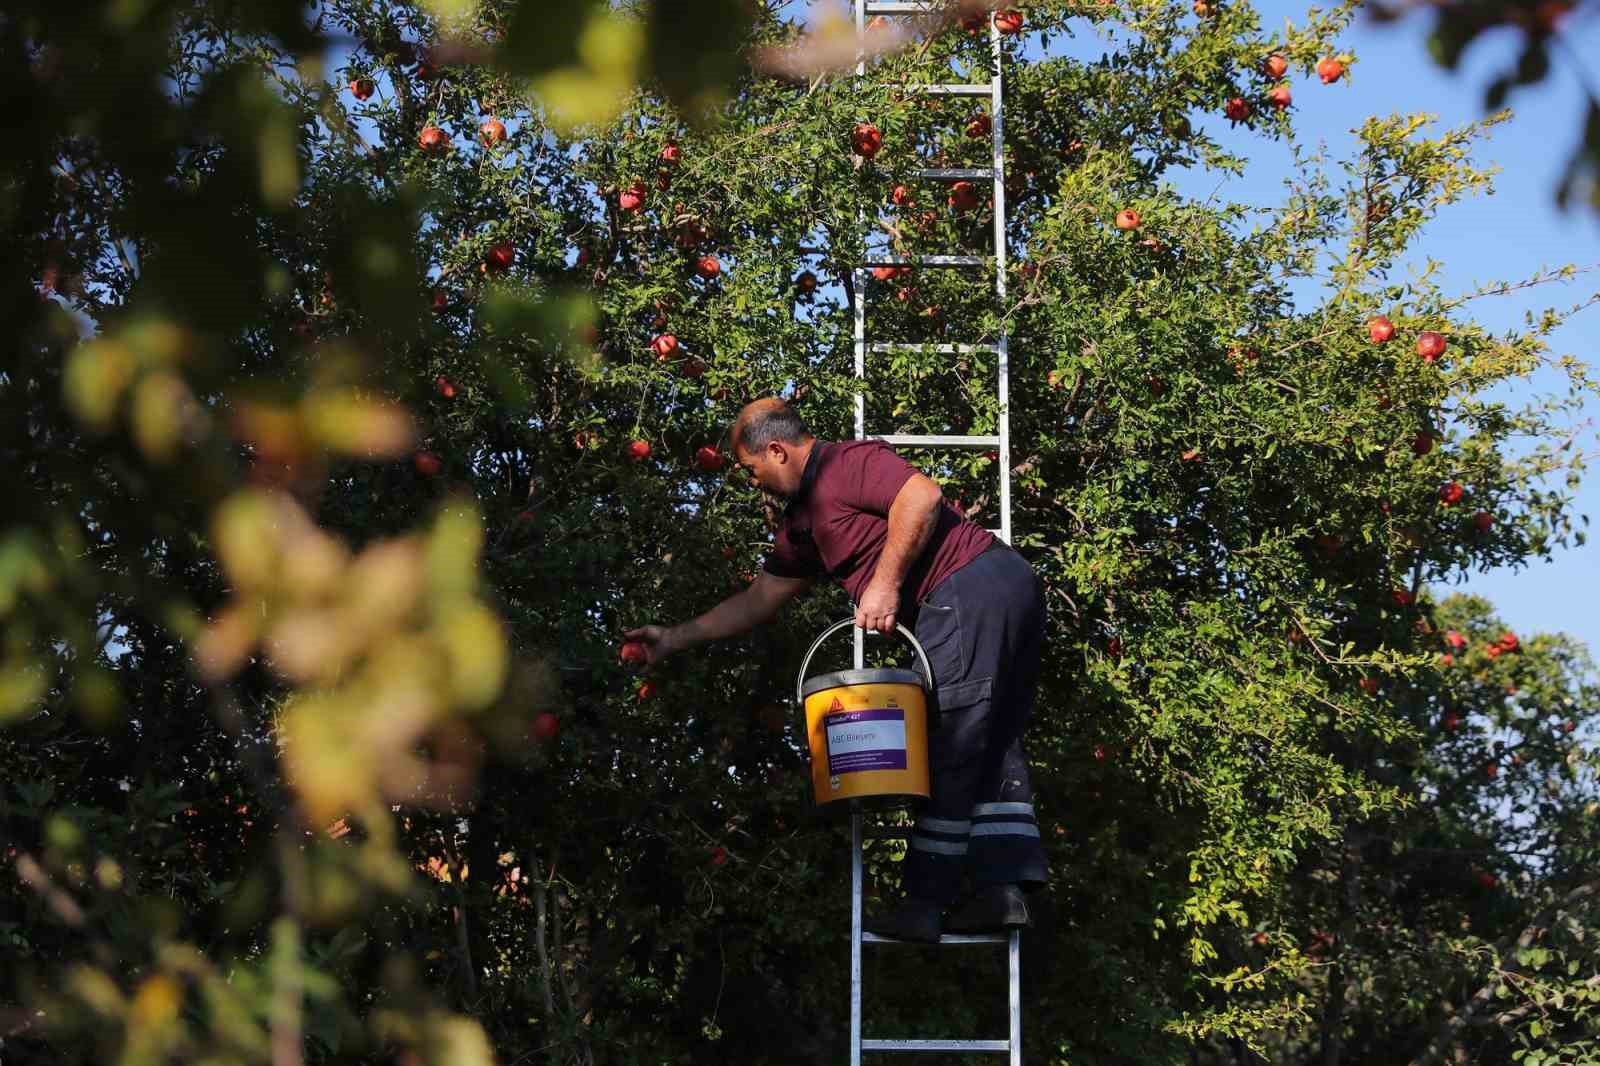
1000,442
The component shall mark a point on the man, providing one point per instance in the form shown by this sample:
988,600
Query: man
860,514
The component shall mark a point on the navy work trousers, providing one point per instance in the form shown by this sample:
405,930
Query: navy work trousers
982,628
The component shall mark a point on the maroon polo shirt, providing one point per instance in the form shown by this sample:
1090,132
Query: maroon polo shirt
837,522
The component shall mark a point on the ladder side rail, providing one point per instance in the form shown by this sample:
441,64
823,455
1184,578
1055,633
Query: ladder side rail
1015,1037
859,649
859,643
860,273
1004,371
855,935
997,127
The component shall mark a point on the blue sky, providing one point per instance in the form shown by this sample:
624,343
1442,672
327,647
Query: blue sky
1504,237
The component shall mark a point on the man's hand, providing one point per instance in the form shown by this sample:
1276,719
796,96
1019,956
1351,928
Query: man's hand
877,607
658,642
912,518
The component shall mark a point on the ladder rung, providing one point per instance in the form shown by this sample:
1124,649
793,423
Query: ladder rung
913,440
954,349
926,260
944,938
973,88
935,1045
952,173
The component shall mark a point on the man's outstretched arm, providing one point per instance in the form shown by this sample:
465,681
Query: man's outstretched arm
737,614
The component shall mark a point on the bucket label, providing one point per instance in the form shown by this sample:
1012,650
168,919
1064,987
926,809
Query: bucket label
873,739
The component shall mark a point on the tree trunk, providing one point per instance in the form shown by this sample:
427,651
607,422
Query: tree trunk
483,863
469,972
541,904
1339,971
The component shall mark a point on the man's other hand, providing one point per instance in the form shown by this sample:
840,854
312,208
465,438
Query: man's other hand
876,610
657,640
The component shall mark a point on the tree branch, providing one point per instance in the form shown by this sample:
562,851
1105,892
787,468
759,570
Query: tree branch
1453,1026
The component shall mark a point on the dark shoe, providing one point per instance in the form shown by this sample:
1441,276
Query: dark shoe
915,919
992,909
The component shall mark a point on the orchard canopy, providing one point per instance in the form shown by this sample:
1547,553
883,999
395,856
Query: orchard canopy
369,369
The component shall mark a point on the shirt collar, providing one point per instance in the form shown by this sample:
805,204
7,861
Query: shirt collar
807,476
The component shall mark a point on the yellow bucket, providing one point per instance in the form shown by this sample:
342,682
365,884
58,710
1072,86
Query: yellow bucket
868,729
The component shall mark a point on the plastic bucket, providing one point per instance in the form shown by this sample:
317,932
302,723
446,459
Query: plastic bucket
867,729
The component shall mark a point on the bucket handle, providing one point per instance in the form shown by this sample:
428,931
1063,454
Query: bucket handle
800,682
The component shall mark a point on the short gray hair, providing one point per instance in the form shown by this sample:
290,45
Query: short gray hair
778,422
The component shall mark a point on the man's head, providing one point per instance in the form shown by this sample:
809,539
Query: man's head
772,444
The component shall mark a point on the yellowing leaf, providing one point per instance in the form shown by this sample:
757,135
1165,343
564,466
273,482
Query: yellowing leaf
275,431
246,538
62,833
109,873
451,10
476,645
313,562
158,341
160,405
330,774
452,551
311,644
97,989
222,647
574,97
97,374
156,1001
457,1041
384,585
344,421
614,43
22,568
393,718
611,48
22,686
